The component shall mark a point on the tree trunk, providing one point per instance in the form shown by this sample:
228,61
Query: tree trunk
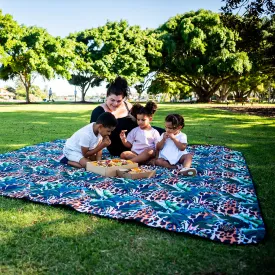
84,89
25,79
204,97
205,86
223,93
241,96
205,90
82,95
222,98
27,94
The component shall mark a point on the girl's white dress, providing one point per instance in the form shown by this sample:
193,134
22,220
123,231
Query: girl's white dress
170,151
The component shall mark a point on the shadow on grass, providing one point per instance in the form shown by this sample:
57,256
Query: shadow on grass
62,241
66,242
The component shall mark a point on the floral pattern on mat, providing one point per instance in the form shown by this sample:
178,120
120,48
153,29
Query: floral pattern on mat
219,203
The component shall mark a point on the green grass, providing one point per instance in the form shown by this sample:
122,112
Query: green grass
40,239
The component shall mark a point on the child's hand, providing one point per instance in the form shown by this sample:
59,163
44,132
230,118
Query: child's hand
122,134
165,136
172,136
106,141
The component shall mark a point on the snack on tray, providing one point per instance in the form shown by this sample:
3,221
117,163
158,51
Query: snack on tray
137,170
135,173
111,162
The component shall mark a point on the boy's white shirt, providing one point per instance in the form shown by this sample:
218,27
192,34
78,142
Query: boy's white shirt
84,137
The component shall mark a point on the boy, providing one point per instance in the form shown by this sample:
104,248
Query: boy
87,143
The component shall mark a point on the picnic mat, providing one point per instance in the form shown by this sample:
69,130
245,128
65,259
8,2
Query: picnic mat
219,203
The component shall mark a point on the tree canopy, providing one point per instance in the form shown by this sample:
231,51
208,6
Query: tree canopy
254,8
169,86
202,51
257,39
114,49
28,51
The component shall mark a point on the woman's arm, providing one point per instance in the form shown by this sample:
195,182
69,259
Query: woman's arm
96,113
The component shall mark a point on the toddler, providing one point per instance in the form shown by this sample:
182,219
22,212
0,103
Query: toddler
142,139
172,147
87,143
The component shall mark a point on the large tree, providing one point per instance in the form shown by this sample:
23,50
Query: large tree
269,49
257,38
114,49
29,51
202,51
35,93
254,8
169,86
84,80
82,75
243,87
8,29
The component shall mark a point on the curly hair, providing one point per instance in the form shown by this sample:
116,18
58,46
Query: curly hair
176,120
149,109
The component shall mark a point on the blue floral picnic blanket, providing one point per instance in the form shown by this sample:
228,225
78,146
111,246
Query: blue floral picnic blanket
219,203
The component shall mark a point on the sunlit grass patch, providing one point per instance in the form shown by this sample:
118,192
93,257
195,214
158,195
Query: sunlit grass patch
42,239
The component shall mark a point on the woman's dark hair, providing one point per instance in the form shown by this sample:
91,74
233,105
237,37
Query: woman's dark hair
149,109
107,119
118,87
176,120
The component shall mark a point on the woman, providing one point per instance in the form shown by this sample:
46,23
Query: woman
115,103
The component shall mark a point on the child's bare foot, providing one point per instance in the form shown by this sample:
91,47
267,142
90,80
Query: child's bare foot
188,171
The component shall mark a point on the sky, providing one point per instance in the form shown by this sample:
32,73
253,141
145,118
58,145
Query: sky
62,17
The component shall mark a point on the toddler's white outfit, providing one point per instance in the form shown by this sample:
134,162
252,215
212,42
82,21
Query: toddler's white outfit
170,151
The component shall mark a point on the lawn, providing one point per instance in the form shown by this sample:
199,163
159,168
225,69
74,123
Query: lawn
40,239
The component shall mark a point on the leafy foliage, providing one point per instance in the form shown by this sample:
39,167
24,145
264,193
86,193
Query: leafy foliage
85,81
27,51
257,39
114,49
35,93
202,51
269,47
120,49
169,86
252,8
254,83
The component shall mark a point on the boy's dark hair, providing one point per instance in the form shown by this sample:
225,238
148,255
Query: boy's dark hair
118,87
107,119
149,109
176,120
